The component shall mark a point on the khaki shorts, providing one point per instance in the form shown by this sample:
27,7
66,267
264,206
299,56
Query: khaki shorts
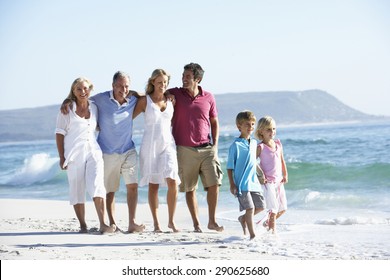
116,165
198,161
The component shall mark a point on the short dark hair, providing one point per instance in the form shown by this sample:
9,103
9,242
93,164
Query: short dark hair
196,70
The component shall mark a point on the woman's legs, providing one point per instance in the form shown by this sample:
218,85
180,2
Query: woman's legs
80,214
153,205
171,201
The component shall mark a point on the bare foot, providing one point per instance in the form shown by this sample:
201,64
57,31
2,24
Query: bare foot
107,229
216,227
172,226
265,224
83,230
252,237
241,219
197,229
117,229
136,228
157,230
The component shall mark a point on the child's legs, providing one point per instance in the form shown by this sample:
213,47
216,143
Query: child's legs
282,201
271,198
249,222
280,214
258,202
271,221
247,203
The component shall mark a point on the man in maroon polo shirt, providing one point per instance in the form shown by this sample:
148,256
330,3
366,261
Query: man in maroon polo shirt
194,118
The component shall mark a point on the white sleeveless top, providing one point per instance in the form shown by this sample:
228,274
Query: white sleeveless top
158,159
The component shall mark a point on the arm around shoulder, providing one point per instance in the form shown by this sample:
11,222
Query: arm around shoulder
140,106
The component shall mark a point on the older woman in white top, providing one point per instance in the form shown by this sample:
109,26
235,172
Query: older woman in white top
81,155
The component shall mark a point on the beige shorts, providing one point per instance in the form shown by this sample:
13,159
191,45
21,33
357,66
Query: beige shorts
116,165
198,161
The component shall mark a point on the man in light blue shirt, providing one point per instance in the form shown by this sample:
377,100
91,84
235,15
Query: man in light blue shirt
115,122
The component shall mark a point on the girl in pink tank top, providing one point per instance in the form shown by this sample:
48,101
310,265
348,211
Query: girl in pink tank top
272,171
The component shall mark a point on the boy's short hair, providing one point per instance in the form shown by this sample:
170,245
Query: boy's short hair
245,115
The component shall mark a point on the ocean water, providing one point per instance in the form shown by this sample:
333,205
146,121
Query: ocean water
343,168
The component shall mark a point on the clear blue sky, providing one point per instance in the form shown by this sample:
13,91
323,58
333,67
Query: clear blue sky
340,46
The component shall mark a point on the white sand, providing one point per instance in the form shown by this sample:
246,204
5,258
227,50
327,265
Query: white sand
47,230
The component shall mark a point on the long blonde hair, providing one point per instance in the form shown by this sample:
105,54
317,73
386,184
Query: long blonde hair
156,73
75,83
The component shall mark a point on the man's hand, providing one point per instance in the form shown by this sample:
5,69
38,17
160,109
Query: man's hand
170,97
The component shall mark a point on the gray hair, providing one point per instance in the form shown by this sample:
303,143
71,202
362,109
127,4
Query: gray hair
120,74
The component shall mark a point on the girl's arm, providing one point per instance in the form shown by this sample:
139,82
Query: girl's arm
284,169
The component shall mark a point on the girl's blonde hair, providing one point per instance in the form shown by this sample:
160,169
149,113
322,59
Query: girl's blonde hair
264,123
156,73
75,83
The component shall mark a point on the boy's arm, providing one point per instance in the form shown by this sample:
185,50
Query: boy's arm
259,171
233,188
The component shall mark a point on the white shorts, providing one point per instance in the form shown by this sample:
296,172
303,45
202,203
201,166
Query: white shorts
116,165
85,173
275,197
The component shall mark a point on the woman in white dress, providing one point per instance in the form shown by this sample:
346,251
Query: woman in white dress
81,155
158,159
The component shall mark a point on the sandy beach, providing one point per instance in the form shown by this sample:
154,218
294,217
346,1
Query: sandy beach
48,230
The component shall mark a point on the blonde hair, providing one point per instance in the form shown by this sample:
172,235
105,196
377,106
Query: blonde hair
245,115
75,83
156,73
264,123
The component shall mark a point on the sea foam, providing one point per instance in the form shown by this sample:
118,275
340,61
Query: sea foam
36,169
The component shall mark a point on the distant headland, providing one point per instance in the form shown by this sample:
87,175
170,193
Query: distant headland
286,107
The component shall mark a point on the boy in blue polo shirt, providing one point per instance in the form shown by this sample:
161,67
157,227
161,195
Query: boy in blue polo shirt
241,170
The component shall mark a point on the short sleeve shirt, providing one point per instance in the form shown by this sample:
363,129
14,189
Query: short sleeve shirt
242,160
191,118
115,122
